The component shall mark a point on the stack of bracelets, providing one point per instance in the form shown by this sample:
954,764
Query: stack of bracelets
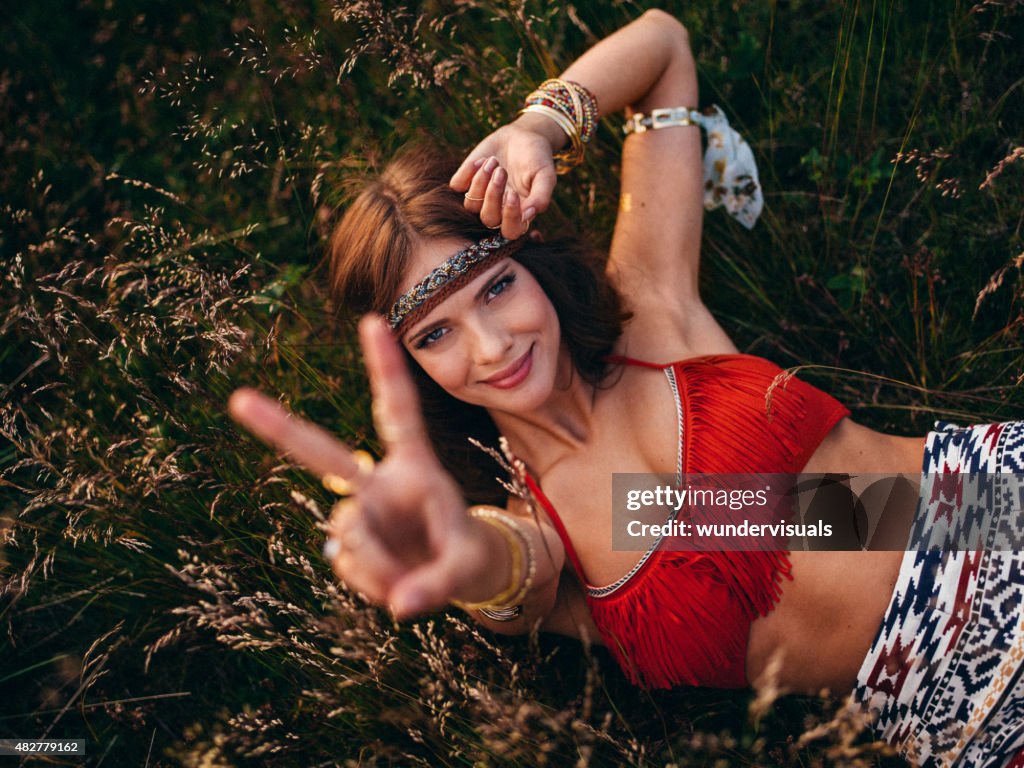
574,109
507,605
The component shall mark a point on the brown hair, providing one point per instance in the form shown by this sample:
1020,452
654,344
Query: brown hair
374,241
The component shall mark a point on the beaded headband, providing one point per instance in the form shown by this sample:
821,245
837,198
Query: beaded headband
444,280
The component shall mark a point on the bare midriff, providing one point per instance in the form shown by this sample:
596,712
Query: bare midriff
823,626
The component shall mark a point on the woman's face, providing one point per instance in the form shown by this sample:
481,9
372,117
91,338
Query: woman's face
495,342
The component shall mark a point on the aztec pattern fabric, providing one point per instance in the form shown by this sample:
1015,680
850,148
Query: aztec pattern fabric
944,679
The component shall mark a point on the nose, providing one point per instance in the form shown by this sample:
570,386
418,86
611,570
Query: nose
491,342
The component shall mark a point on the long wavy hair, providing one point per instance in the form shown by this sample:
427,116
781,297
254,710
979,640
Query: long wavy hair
371,246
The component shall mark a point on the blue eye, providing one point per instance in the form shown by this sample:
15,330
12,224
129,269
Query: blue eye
430,338
497,288
501,284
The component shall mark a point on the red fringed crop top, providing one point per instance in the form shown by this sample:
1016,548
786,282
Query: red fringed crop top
683,618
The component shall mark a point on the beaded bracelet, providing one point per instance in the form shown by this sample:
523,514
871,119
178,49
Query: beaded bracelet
574,109
506,605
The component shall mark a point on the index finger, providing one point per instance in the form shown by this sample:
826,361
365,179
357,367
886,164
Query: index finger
396,403
310,445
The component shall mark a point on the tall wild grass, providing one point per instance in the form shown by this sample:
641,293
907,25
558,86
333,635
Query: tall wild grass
170,172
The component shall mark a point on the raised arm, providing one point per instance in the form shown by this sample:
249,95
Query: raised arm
405,539
655,251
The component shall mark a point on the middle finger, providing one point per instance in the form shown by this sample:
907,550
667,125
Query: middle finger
490,214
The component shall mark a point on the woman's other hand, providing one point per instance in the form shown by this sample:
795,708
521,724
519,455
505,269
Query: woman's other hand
403,539
508,178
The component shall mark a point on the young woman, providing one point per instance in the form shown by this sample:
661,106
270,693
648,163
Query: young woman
511,336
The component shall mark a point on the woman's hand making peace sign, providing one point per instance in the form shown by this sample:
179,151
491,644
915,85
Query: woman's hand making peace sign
404,538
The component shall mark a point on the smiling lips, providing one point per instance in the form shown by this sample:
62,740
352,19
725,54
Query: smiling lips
515,374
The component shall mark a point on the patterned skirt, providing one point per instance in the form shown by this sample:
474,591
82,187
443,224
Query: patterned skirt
944,679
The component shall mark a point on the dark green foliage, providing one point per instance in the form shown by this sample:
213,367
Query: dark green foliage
170,171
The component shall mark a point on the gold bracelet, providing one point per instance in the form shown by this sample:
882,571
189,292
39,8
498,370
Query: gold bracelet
495,514
520,547
492,517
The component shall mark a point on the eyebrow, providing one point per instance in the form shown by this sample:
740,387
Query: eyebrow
491,276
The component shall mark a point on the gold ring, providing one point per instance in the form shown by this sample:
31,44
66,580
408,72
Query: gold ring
468,196
343,486
496,226
337,484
